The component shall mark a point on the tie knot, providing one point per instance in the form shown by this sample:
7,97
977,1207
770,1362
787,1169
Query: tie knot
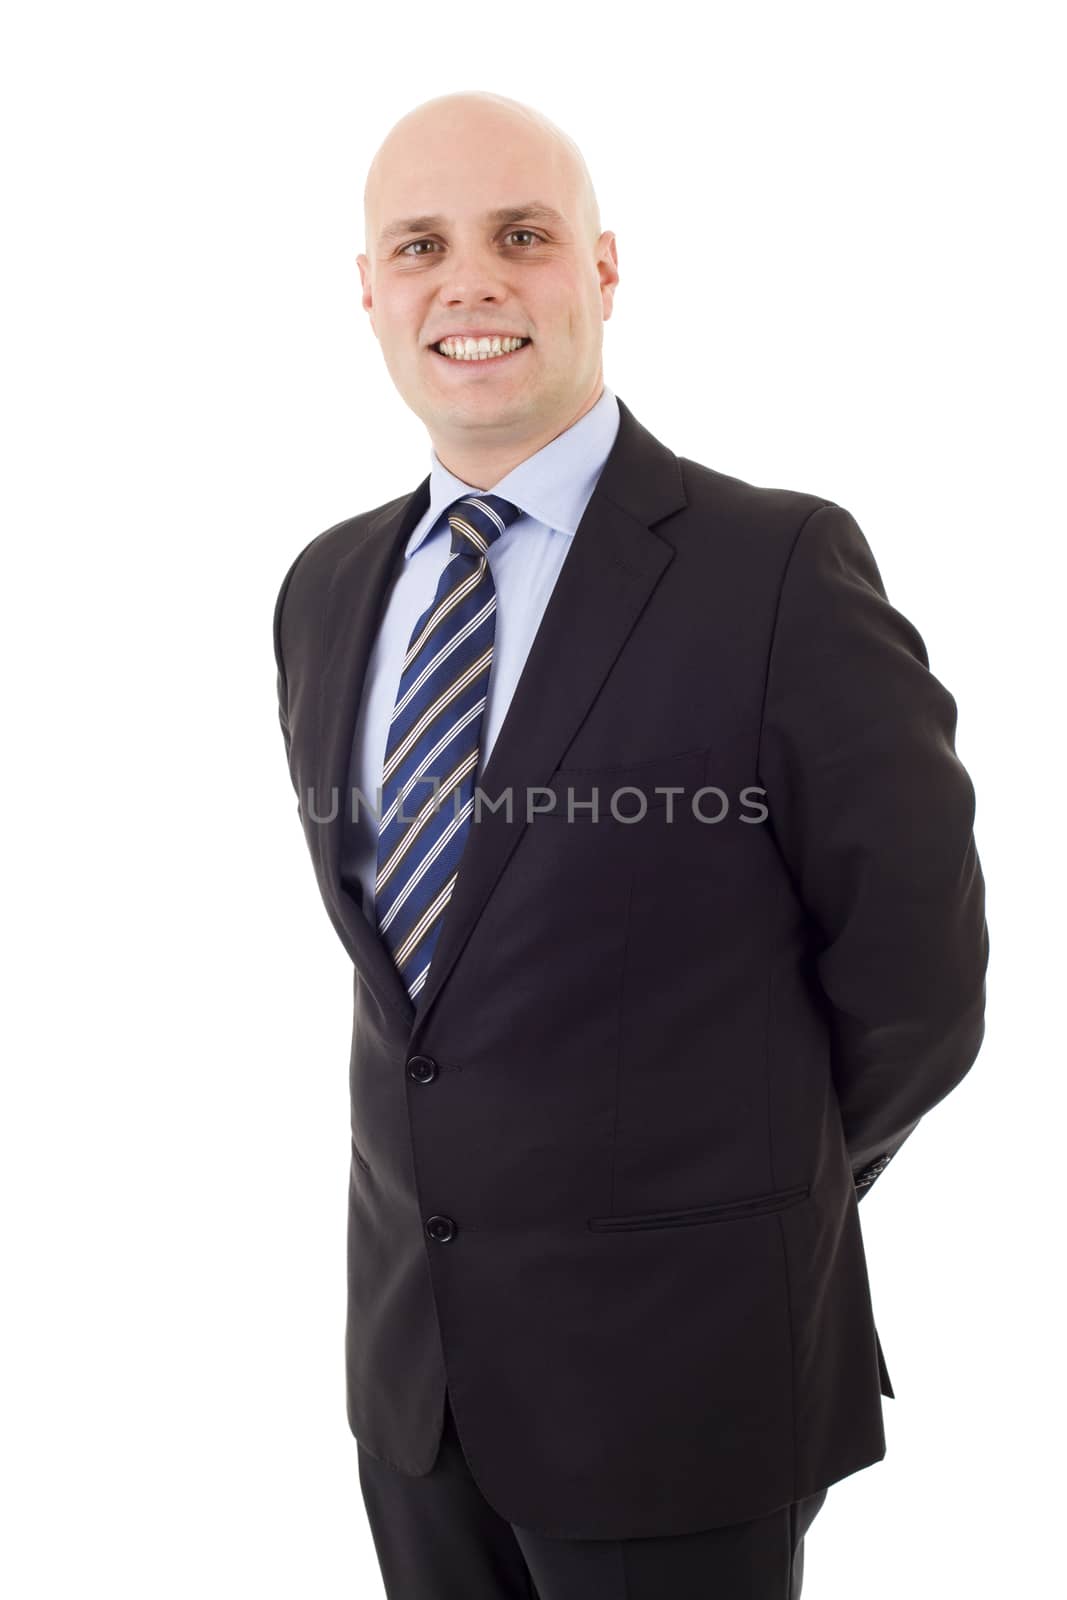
477,520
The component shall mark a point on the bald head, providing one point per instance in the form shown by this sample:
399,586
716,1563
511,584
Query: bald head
472,120
482,224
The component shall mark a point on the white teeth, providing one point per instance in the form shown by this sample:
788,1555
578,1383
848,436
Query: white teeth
477,349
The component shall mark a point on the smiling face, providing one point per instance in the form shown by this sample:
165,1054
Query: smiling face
481,221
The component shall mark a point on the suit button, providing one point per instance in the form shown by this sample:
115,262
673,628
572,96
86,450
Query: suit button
422,1068
441,1228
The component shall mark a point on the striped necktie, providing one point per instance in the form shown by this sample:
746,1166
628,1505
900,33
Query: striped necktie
435,734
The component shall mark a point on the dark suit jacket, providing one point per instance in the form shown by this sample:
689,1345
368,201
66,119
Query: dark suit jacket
604,1179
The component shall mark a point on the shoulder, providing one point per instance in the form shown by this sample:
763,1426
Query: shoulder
330,546
311,570
755,529
765,509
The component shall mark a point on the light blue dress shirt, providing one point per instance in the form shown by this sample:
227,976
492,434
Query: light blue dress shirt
551,489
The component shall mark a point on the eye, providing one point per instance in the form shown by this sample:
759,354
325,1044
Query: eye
412,250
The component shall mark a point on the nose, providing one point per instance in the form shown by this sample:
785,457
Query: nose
473,274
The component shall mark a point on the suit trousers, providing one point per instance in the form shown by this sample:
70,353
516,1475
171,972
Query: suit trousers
437,1538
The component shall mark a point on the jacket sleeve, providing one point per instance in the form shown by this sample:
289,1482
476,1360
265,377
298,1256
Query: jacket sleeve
873,813
283,691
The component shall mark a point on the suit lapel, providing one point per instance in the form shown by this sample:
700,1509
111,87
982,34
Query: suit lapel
607,579
358,592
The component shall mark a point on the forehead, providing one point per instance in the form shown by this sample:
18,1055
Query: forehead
465,177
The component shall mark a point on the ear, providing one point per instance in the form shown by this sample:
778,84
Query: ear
363,263
608,270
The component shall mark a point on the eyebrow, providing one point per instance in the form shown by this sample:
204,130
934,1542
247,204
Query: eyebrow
535,211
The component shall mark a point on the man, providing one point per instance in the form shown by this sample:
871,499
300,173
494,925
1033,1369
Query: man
636,806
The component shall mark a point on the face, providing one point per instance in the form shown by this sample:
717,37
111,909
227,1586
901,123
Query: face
477,226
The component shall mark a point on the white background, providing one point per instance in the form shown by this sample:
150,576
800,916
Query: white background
839,269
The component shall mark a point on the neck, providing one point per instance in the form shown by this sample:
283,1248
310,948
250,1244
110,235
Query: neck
481,464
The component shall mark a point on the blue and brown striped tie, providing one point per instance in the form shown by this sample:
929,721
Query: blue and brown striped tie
435,737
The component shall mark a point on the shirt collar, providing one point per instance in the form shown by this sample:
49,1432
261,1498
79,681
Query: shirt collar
553,485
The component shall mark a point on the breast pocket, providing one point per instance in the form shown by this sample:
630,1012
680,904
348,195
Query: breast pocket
622,795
